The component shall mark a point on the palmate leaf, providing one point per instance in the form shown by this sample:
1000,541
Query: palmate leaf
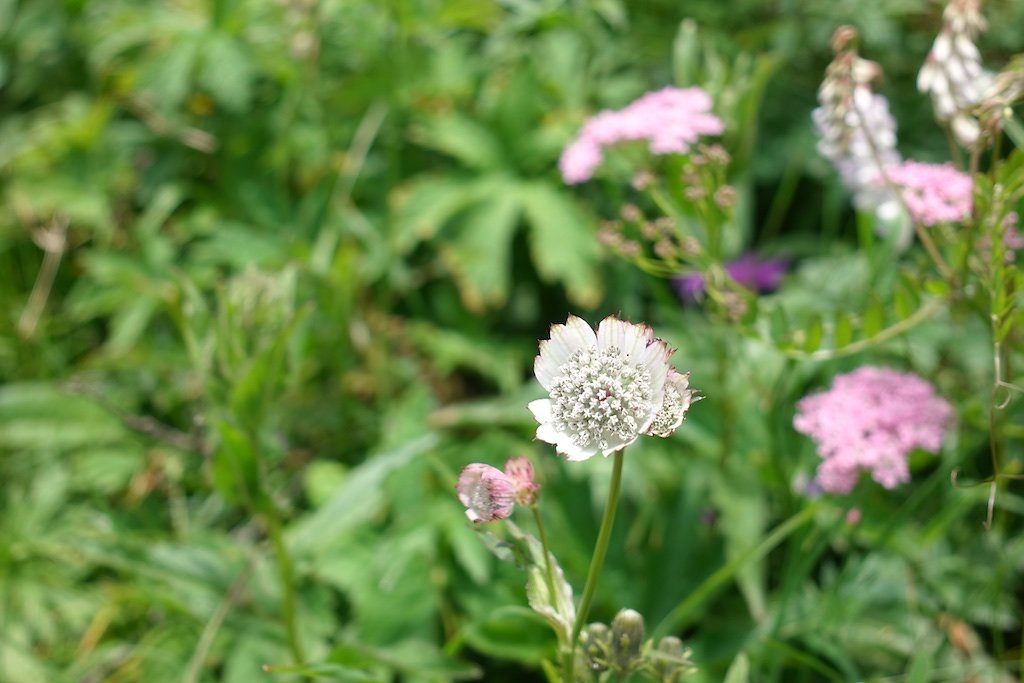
479,256
562,241
482,215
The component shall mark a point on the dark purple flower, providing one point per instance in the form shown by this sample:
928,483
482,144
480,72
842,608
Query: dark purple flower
749,271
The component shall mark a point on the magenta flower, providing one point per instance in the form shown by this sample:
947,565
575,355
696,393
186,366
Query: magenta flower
490,494
670,120
754,273
870,420
933,193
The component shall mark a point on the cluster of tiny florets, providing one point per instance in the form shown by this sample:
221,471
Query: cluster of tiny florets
673,406
670,120
600,396
933,193
870,420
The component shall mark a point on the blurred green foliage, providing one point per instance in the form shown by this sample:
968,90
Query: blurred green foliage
273,271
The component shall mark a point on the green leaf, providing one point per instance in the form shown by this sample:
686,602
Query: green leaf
562,242
235,465
480,256
812,334
843,330
467,140
556,607
426,205
40,416
356,501
510,632
226,72
739,670
873,320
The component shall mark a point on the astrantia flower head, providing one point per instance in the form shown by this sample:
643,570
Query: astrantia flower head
871,419
606,389
670,120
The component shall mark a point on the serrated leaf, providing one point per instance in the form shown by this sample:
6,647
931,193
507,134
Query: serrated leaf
556,607
562,242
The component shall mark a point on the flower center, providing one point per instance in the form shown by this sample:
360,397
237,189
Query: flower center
600,398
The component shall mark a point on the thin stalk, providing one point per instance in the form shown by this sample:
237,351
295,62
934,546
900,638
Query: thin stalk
716,580
596,563
287,576
547,553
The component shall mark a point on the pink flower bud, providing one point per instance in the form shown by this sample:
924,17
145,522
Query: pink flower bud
520,472
487,493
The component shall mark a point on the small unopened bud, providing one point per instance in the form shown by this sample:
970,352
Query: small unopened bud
627,639
596,648
642,180
695,193
520,472
671,660
631,213
665,249
725,196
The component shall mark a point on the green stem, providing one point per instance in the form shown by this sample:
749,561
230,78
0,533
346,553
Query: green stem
547,553
712,583
284,570
596,563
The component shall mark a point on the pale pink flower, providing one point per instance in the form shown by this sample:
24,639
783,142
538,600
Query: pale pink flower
606,389
933,193
487,493
670,120
870,420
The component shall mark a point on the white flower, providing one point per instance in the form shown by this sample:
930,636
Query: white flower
605,389
953,73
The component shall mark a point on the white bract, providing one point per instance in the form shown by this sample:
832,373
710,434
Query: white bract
606,389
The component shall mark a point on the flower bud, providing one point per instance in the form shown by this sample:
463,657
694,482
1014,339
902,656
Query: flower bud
487,493
520,472
596,646
671,660
627,639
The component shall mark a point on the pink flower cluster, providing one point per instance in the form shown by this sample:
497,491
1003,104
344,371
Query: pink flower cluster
490,494
871,419
933,193
670,119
